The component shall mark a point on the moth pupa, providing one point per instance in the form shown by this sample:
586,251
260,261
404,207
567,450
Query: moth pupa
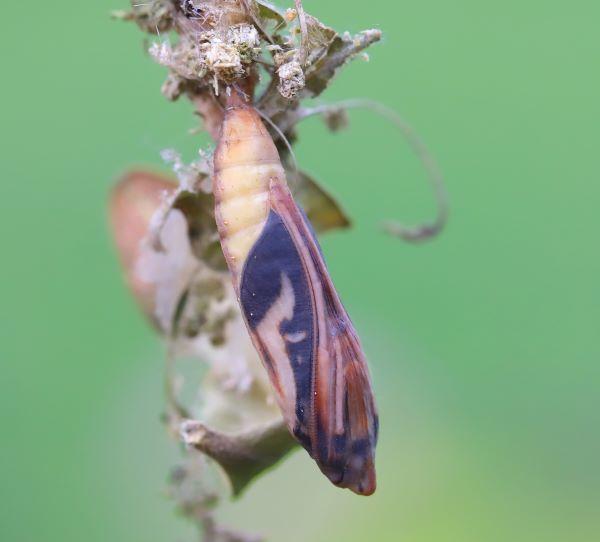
303,334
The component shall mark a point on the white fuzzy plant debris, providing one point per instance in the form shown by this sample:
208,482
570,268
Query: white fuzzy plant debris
208,57
291,79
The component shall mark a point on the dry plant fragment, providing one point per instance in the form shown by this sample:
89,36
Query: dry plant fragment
153,17
242,456
133,203
187,486
291,79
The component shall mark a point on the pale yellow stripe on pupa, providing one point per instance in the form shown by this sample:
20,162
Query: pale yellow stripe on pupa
245,180
243,212
246,161
281,310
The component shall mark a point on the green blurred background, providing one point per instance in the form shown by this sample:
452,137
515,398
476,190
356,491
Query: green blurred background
484,345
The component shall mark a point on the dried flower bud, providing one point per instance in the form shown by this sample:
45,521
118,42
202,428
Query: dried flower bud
223,60
291,79
336,119
245,39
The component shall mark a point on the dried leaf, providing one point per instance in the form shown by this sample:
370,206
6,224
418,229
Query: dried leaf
318,75
270,13
159,278
242,456
153,16
340,50
322,209
319,38
198,209
170,266
133,202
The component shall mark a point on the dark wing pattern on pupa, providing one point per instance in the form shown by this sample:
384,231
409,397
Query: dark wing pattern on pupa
309,346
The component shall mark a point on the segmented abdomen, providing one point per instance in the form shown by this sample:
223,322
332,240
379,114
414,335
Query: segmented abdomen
245,163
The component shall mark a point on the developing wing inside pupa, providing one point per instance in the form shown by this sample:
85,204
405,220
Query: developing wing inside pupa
309,346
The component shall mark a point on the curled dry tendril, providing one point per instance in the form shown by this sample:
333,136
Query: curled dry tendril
412,234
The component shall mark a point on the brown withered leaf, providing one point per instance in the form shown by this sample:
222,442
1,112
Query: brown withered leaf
198,209
269,13
133,201
319,38
323,211
341,50
242,456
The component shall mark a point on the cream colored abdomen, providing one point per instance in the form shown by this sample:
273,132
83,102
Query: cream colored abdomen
242,213
246,161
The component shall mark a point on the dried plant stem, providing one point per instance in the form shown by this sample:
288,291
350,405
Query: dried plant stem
242,456
302,54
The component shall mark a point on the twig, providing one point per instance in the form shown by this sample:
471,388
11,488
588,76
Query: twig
242,456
